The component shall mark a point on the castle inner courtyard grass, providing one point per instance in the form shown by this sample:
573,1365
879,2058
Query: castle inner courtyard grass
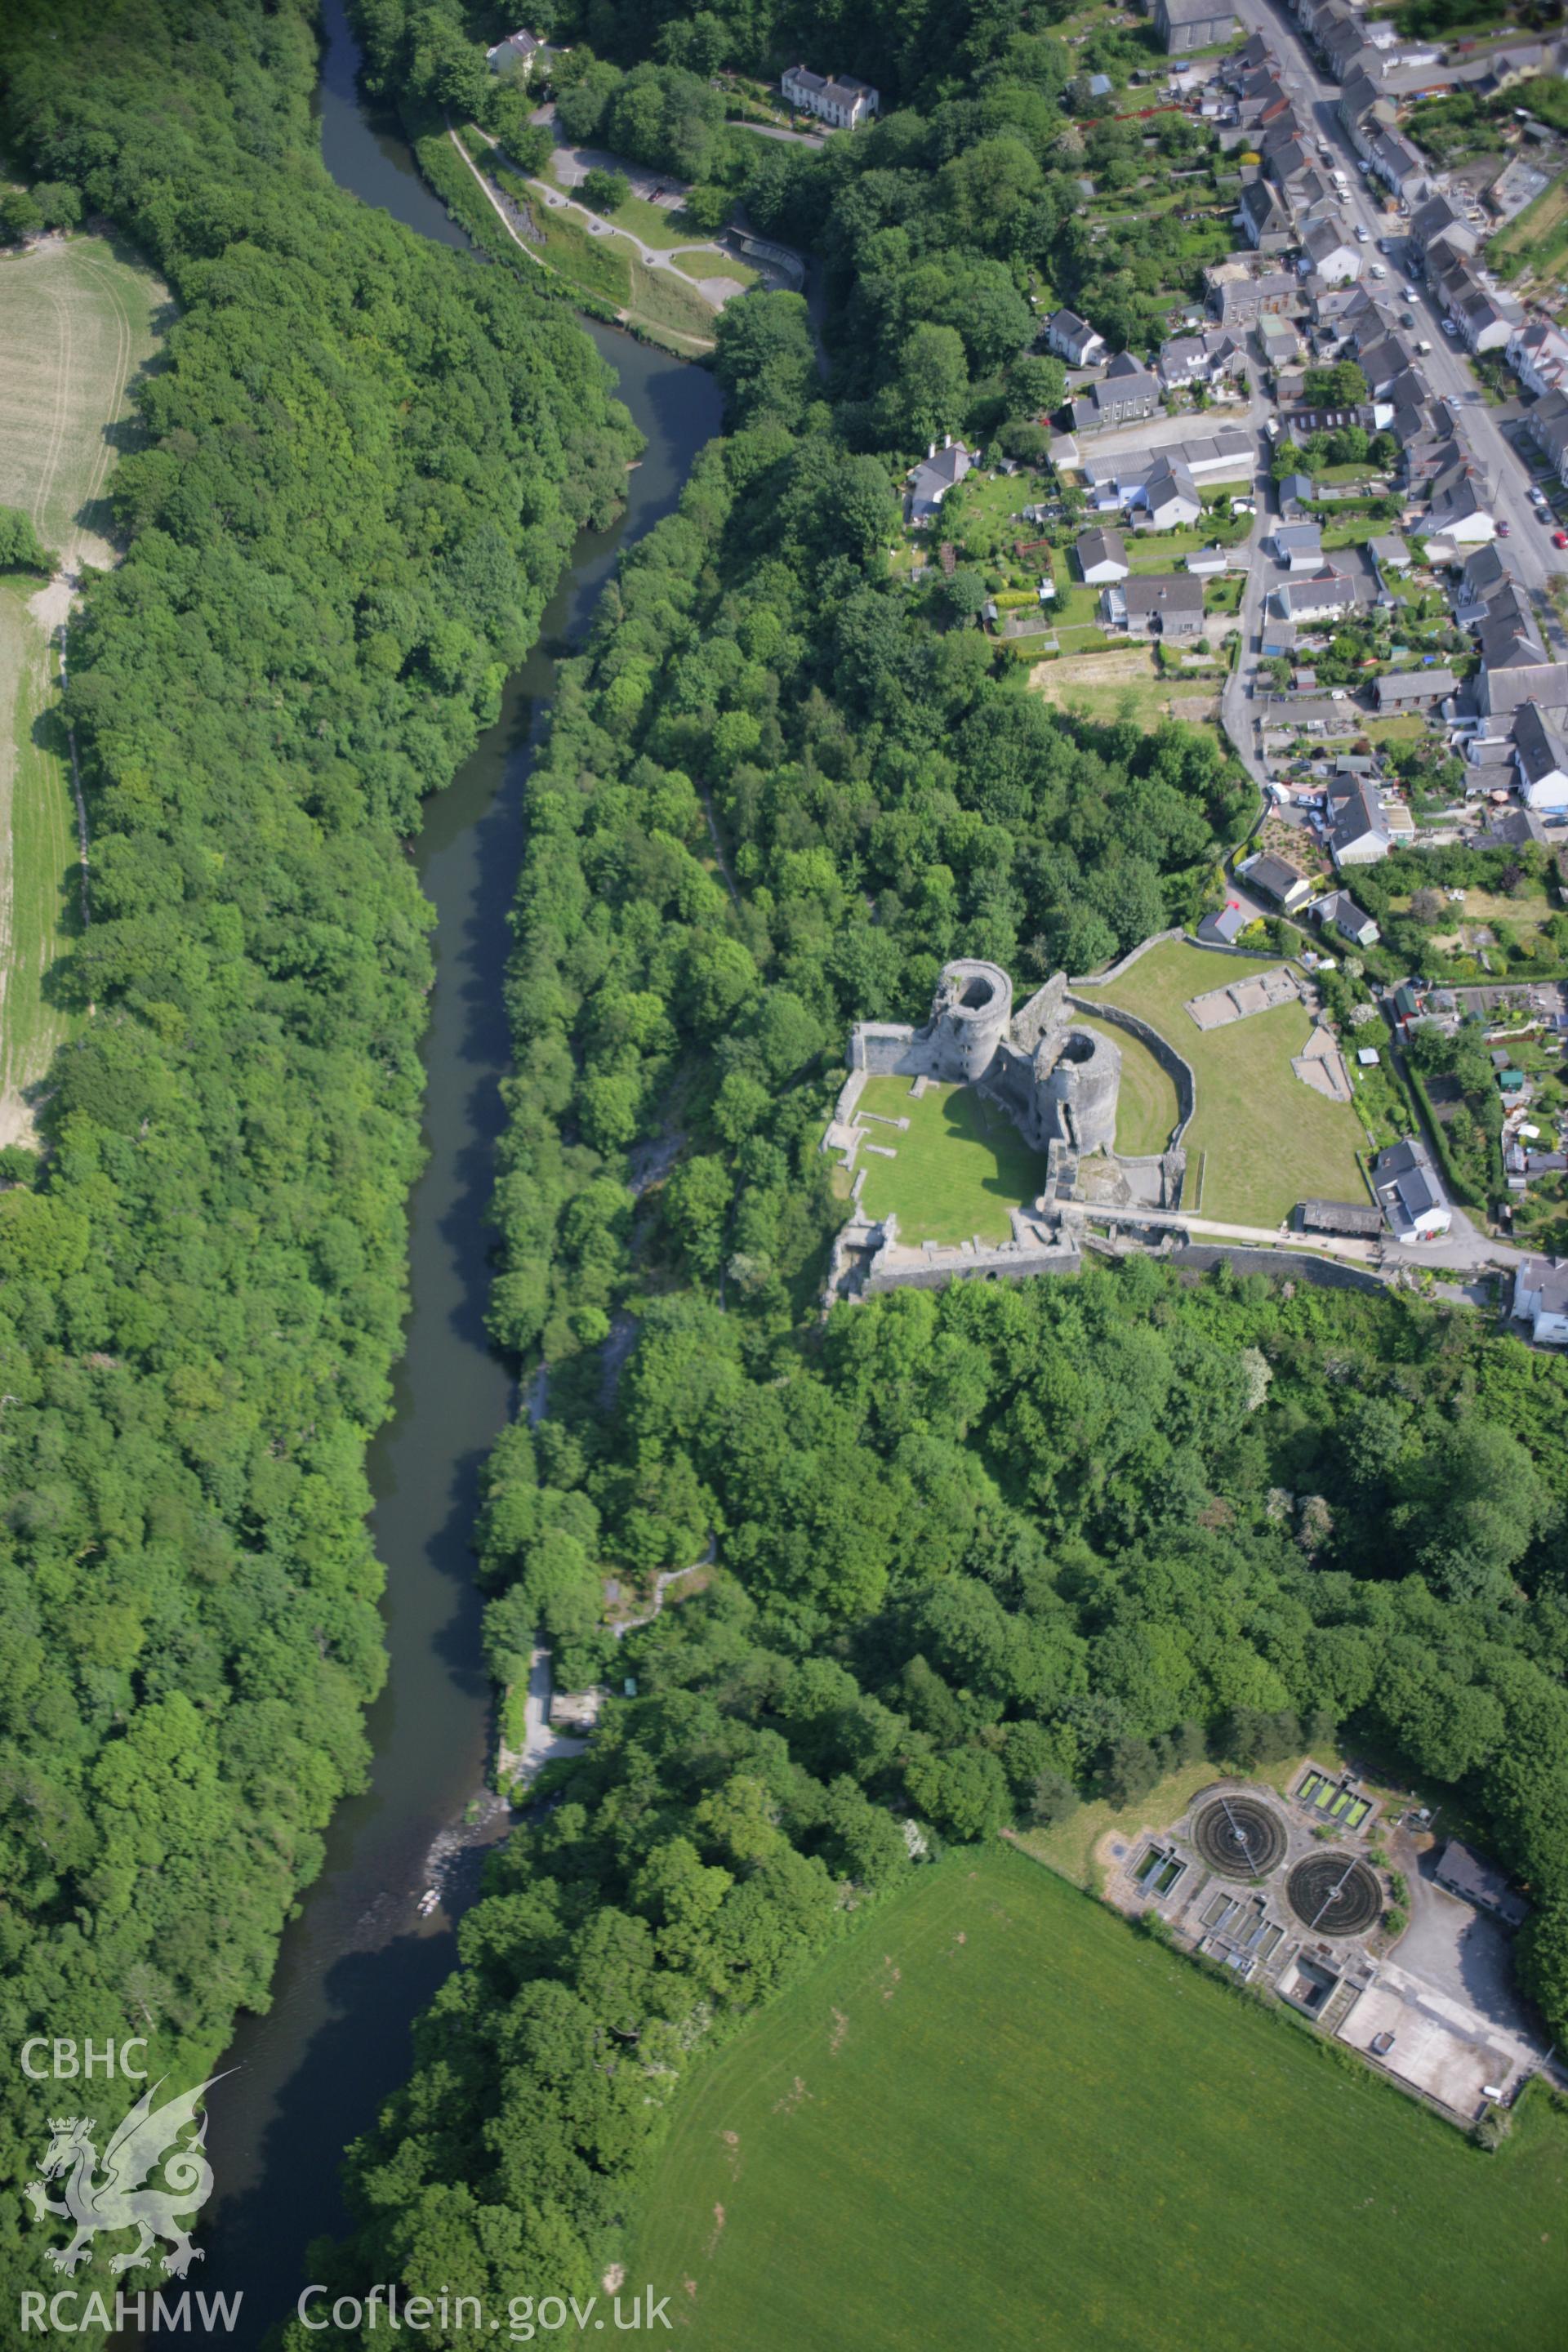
1146,1108
1268,1141
961,1165
997,2116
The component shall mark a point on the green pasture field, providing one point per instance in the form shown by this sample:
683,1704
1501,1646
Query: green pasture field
75,327
961,1164
997,2117
1268,1140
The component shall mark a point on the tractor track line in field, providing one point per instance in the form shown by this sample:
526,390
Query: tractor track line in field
58,423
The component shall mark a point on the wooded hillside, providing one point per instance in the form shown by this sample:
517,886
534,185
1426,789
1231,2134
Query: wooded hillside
363,460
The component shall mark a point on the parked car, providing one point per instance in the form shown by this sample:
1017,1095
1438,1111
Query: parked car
1560,538
1450,327
1502,530
1362,232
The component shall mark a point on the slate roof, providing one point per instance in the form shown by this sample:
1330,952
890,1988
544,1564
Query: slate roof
1460,1866
1330,592
1540,740
1101,547
1405,1172
1160,592
1273,874
1414,686
1356,815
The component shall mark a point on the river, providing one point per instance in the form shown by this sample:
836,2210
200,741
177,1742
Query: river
358,1963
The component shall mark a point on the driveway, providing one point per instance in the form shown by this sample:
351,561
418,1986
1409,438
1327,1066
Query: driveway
1457,1949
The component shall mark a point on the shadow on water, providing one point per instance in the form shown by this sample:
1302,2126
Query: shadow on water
358,1963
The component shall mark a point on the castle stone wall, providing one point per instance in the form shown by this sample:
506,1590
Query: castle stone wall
1178,1070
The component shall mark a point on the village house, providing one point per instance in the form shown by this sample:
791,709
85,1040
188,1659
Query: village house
1171,495
1102,558
1413,1202
1329,249
1277,339
522,58
1541,748
1221,929
1547,425
1184,25
1278,880
1340,910
1505,629
1414,689
1365,112
1073,339
1358,835
1401,167
1187,360
1486,320
1300,546
937,473
1126,394
1539,1300
1523,674
1487,571
1438,226
1265,223
1384,360
1538,354
837,99
1461,508
1155,603
1239,295
1327,596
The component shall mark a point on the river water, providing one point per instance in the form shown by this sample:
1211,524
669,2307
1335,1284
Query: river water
359,1963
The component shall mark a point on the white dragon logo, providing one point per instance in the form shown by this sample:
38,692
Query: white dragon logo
116,2199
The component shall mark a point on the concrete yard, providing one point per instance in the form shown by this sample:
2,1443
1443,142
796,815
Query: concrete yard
1440,2046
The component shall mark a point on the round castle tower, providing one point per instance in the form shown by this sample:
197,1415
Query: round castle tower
970,1018
1080,1072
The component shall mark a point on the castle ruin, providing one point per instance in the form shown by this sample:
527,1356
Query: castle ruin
1054,1077
1057,1079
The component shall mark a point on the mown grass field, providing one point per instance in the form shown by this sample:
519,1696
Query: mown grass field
961,1166
1268,1139
74,326
998,2118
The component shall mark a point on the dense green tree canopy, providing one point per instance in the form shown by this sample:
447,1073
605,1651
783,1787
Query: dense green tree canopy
361,460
